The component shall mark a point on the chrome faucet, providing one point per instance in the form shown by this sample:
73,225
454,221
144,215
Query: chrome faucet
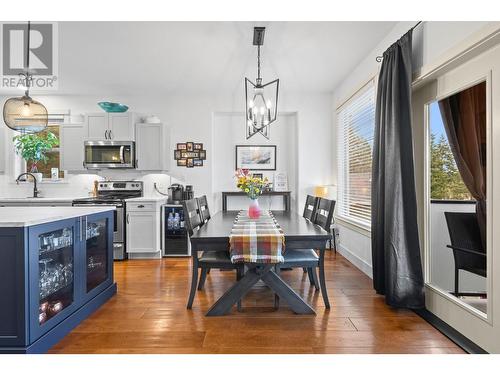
35,189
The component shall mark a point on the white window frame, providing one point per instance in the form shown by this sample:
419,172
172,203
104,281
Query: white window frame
342,178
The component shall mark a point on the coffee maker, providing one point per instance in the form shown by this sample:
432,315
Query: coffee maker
175,194
188,193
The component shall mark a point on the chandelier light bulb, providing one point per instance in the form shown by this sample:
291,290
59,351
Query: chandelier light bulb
262,111
250,103
26,110
269,104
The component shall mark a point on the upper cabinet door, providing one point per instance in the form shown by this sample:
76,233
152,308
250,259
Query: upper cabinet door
71,147
150,145
121,126
3,155
97,126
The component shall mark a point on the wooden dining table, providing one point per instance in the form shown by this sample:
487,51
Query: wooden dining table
299,232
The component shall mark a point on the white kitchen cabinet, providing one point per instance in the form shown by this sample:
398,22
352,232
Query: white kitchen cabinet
121,126
97,126
143,228
152,147
71,147
3,154
104,126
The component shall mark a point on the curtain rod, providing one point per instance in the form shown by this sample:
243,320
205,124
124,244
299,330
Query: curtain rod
380,58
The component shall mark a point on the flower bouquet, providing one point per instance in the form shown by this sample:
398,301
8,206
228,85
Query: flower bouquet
253,187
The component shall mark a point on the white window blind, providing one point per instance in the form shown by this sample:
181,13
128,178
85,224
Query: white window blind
355,129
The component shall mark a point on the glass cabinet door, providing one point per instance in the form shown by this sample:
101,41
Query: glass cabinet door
56,283
96,243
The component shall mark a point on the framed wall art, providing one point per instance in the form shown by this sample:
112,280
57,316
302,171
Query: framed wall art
256,157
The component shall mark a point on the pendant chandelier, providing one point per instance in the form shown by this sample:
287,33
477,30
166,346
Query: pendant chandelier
24,114
261,99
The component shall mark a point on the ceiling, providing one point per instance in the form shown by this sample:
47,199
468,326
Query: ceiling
130,58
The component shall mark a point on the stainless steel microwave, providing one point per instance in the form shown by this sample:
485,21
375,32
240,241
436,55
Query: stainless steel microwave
109,154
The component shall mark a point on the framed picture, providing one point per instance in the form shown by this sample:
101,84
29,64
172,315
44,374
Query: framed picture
203,154
198,163
177,154
258,175
189,146
198,146
190,163
182,163
181,146
256,157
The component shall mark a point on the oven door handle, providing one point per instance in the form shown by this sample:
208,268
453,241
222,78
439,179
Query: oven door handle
128,218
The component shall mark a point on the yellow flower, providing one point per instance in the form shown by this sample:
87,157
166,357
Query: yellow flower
247,190
257,191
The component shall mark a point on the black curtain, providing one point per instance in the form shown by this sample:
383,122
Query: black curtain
397,267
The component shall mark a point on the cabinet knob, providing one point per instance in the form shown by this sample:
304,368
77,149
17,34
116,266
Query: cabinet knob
140,206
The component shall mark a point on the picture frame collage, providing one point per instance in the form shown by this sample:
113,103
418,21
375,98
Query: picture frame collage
190,154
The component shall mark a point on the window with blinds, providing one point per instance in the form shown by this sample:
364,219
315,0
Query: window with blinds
355,130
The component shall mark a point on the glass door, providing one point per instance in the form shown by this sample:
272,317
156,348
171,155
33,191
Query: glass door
97,241
53,285
55,269
454,120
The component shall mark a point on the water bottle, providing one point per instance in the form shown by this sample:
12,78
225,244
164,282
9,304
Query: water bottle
170,221
177,221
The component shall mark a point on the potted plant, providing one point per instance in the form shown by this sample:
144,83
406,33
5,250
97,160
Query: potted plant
253,187
33,149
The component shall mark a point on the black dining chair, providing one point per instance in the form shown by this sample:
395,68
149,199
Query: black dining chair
308,258
466,243
203,207
310,207
207,259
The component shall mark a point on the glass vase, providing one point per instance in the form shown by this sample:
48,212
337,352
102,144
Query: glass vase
254,210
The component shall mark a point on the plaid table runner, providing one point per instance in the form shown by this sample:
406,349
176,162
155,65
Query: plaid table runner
256,240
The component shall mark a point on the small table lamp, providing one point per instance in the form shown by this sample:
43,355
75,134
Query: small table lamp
321,191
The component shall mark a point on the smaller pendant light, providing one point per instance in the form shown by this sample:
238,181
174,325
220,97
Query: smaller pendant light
24,114
261,111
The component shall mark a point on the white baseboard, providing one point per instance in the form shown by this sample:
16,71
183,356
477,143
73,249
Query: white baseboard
145,255
364,266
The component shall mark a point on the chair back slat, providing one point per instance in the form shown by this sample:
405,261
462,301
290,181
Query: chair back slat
192,217
203,208
324,213
465,233
310,207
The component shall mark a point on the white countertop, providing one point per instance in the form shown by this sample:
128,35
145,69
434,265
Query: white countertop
28,216
150,199
41,199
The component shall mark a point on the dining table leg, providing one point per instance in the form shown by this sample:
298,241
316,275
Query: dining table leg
237,291
271,279
285,292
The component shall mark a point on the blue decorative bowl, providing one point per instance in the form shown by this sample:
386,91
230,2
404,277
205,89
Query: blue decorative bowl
113,107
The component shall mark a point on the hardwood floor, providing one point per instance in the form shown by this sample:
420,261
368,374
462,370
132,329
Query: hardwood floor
148,315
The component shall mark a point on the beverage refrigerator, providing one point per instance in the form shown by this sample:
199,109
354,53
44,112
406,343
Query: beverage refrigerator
174,237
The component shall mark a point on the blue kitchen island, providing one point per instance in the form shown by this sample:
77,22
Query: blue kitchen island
56,268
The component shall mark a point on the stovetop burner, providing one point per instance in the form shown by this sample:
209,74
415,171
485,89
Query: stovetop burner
114,192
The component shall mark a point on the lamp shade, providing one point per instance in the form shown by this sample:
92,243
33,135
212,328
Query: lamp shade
25,115
321,191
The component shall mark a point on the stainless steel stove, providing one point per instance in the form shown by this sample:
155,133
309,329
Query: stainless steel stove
114,193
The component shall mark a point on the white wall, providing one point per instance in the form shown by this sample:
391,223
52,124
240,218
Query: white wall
190,118
430,40
283,134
